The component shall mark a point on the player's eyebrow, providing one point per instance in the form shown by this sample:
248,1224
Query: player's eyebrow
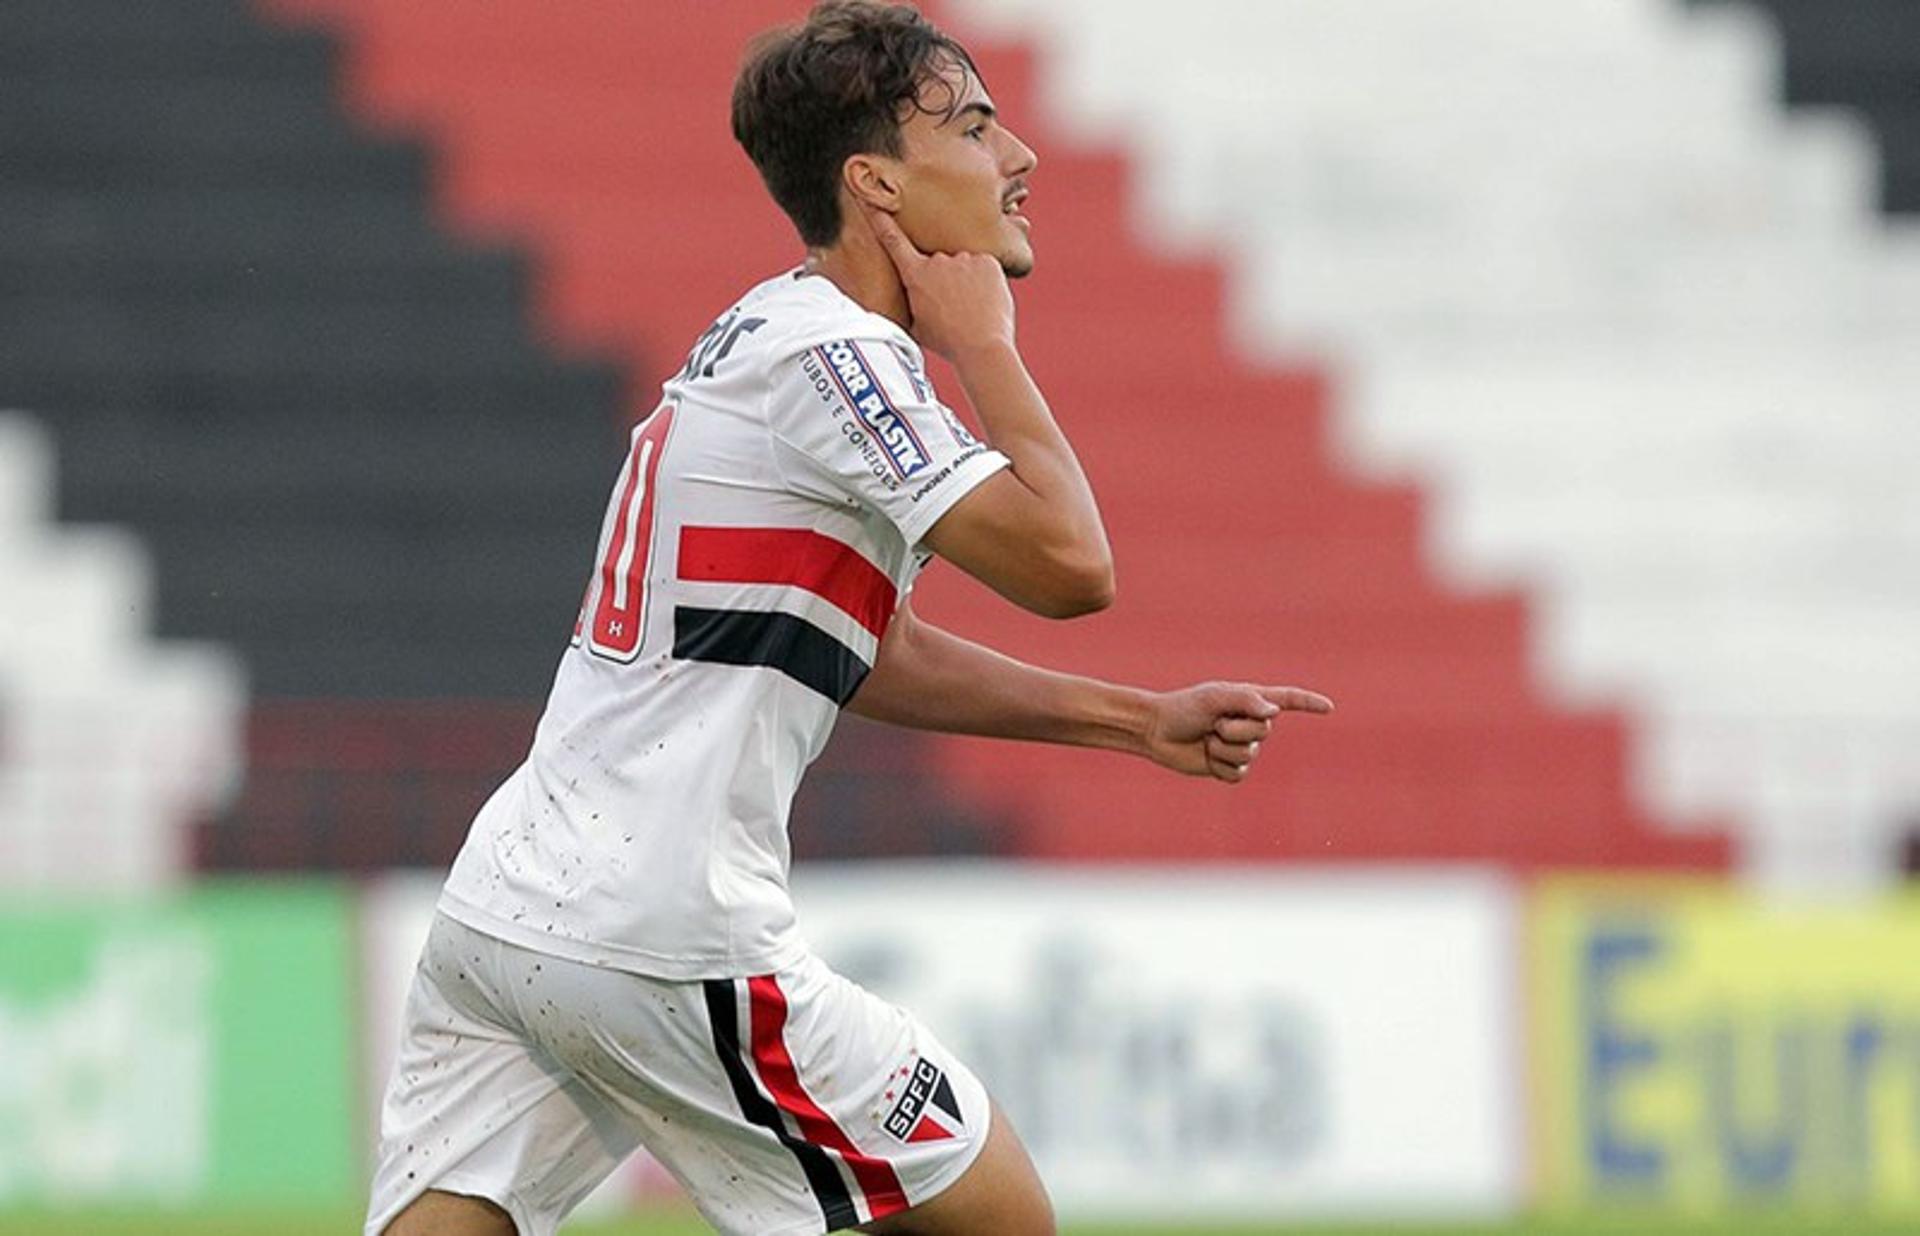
985,111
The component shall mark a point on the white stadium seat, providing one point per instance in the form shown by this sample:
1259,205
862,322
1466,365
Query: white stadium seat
114,743
26,477
1640,330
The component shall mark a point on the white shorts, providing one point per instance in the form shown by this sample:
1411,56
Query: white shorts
786,1104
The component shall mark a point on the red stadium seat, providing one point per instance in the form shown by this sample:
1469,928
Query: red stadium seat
596,132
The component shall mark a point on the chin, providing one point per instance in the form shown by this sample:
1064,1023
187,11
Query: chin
1018,264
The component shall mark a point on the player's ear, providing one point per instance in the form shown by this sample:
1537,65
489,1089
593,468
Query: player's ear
873,179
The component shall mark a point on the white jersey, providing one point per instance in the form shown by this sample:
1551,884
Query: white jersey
762,532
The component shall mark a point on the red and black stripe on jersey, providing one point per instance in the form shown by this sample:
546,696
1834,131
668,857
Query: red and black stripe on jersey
791,557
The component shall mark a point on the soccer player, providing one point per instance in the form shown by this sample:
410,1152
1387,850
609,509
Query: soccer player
615,962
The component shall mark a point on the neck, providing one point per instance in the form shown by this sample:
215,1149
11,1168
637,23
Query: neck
860,268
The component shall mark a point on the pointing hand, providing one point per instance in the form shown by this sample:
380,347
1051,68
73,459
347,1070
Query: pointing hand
1215,729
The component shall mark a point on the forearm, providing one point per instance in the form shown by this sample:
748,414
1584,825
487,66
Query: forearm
1020,425
929,679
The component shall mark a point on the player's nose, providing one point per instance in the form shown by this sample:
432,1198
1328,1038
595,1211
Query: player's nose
1020,159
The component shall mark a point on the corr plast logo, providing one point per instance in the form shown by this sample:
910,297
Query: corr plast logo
869,402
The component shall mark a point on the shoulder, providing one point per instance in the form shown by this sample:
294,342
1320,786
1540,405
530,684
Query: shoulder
809,313
792,332
856,349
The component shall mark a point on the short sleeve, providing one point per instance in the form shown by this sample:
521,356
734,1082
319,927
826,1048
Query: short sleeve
859,417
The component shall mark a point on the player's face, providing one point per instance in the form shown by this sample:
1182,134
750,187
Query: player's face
965,177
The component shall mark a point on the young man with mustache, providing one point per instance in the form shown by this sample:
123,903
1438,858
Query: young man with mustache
615,961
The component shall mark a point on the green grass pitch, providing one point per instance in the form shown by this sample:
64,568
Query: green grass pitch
188,1224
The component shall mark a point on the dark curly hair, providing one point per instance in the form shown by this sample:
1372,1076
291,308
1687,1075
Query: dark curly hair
811,96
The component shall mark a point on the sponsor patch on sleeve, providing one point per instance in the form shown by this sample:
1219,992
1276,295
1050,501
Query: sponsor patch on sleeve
854,378
958,429
916,377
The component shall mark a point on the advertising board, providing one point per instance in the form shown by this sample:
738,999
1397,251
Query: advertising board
186,1050
1176,1042
1190,1042
1701,1049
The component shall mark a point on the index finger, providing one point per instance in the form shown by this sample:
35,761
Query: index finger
887,231
1294,699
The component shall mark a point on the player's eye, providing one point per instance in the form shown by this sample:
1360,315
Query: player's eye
977,131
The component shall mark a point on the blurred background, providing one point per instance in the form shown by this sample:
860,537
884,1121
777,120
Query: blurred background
1537,379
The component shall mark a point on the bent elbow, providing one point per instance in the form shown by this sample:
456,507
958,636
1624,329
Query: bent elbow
1080,590
1097,592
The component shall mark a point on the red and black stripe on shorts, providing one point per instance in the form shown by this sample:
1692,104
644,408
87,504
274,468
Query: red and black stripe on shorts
768,1088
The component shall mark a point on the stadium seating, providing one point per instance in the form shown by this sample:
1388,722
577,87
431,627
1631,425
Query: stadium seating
330,426
597,133
255,346
1639,330
111,745
1864,55
336,428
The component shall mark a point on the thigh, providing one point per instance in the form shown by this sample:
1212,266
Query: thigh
786,1104
477,1108
434,1213
1001,1193
875,1109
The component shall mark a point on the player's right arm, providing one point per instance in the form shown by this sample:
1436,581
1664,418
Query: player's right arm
1031,532
929,679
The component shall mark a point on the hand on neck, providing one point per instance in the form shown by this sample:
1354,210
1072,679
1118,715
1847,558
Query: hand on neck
859,267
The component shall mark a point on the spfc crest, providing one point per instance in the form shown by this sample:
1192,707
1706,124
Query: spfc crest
926,1110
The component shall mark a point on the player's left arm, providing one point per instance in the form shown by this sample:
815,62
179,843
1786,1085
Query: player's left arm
929,679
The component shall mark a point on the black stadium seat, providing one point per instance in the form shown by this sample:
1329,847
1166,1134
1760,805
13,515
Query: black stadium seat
331,422
354,451
1863,54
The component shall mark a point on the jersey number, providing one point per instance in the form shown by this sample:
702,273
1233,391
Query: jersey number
613,615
